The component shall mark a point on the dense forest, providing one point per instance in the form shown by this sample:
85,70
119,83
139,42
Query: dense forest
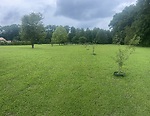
132,22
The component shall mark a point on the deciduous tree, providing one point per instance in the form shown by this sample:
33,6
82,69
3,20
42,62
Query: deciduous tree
32,28
59,35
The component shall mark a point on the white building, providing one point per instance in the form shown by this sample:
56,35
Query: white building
2,39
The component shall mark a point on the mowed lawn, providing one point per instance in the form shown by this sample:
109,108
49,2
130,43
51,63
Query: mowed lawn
70,81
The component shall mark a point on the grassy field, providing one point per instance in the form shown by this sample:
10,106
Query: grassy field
70,81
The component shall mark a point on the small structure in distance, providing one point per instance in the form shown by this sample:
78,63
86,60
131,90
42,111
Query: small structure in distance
2,40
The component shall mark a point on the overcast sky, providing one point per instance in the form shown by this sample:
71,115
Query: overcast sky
78,13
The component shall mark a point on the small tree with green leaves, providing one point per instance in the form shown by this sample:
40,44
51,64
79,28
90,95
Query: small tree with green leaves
123,54
82,40
59,35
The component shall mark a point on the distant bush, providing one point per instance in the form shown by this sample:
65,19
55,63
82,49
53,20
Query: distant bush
3,43
16,43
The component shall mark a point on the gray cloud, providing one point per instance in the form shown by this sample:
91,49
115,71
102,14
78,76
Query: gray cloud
86,9
13,11
10,17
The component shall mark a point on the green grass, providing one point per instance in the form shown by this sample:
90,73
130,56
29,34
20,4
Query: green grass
70,81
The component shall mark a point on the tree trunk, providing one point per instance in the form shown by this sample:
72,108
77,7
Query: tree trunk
94,50
32,45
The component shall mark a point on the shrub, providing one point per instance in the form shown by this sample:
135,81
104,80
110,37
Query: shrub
123,54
